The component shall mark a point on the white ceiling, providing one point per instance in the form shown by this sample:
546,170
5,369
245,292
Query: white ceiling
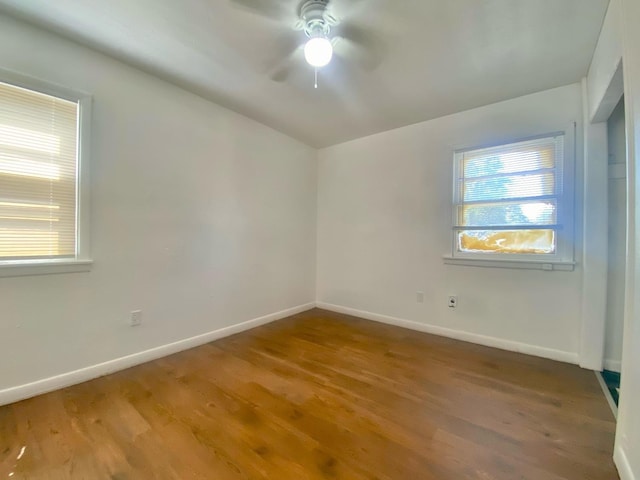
440,56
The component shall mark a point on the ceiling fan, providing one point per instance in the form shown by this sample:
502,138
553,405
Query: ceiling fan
325,35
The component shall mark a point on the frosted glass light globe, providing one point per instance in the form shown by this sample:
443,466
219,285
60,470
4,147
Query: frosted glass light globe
318,51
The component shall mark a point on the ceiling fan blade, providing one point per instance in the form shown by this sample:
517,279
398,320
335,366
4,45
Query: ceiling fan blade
359,46
355,55
282,73
272,9
349,9
286,48
286,44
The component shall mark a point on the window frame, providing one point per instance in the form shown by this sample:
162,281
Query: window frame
563,258
82,260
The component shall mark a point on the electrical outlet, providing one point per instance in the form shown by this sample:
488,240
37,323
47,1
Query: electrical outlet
420,297
453,301
136,318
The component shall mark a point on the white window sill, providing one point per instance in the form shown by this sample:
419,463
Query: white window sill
506,263
19,268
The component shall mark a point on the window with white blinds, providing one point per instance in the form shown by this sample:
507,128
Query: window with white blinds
38,175
508,199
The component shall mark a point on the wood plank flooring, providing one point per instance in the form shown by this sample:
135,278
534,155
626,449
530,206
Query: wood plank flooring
320,396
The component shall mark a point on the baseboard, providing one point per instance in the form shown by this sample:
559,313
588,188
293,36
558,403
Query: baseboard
612,365
623,465
559,355
45,385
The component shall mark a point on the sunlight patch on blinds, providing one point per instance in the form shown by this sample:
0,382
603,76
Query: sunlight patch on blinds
38,174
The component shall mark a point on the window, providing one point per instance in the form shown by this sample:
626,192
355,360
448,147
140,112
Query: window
41,187
509,202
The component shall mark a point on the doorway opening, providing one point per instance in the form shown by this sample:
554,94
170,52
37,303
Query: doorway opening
616,252
617,244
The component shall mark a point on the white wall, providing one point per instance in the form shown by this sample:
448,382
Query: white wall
627,452
384,222
604,67
617,206
200,217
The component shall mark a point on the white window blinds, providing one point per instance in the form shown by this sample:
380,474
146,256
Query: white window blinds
508,197
38,175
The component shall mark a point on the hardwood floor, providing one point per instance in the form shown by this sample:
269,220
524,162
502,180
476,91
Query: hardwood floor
320,396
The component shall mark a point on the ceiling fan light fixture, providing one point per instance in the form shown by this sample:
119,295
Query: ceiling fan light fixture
318,51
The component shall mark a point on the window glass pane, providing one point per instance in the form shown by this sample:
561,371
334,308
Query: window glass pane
497,214
507,241
517,187
24,242
517,157
38,174
509,186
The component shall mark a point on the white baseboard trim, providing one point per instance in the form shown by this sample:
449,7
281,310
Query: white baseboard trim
623,465
612,365
559,355
21,392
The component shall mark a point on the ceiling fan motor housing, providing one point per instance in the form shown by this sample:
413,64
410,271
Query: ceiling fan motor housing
317,21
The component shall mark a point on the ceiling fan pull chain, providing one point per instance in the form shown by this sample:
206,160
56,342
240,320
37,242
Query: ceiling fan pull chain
315,85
